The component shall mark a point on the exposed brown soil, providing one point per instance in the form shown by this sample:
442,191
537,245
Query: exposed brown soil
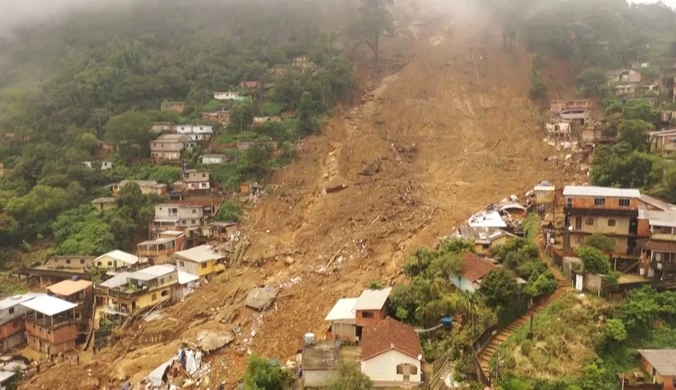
454,131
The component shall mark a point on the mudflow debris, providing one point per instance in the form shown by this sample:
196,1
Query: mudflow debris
261,298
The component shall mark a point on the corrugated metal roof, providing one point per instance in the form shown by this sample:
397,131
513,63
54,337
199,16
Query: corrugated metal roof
372,299
48,305
17,299
153,272
343,311
120,256
199,254
601,191
116,281
69,287
662,360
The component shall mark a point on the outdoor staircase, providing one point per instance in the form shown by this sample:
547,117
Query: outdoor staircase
486,354
437,382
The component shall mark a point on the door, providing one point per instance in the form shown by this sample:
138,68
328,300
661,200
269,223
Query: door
578,224
579,279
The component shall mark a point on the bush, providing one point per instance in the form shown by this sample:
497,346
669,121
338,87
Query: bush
229,212
594,260
538,89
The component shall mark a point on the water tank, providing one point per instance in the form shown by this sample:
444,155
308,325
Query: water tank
447,322
309,338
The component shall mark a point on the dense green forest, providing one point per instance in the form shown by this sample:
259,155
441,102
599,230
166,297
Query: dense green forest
100,77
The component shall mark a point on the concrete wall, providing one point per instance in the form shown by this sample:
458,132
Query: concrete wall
587,202
317,378
382,369
463,284
13,341
621,243
601,224
194,268
146,300
592,283
343,331
74,261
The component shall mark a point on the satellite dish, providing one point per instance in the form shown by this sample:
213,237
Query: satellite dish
419,358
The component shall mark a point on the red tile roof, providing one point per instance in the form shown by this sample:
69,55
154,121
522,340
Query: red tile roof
475,267
660,246
388,335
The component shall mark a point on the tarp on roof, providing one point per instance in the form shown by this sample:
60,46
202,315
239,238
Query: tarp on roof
48,305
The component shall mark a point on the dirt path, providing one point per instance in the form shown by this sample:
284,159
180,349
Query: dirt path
453,131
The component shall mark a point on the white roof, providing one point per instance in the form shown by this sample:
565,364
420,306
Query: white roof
49,305
153,272
116,281
185,278
194,129
601,191
156,241
372,299
120,256
343,311
17,299
4,375
487,219
156,375
199,254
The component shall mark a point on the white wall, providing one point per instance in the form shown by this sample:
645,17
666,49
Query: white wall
190,267
318,378
463,284
383,368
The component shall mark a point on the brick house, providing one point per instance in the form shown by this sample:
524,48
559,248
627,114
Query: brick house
51,327
12,321
371,308
660,365
222,116
612,212
193,180
173,216
168,147
78,292
251,84
658,251
157,251
148,187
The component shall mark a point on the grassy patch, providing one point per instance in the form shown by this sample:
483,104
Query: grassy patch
231,137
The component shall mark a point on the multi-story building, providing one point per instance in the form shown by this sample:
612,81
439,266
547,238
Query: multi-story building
51,327
141,290
658,252
371,308
59,268
79,292
196,132
172,216
12,320
612,212
168,147
193,180
158,251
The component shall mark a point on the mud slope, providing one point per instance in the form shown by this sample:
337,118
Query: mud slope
454,132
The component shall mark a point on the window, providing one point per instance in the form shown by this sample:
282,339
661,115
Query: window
589,221
625,202
192,221
204,175
204,265
194,211
165,293
367,314
161,280
569,202
67,261
11,310
82,261
98,263
110,264
181,264
154,297
601,202
611,223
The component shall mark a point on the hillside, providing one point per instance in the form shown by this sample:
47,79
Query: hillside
454,131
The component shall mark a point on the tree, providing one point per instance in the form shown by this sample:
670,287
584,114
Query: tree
262,374
241,116
594,260
592,81
499,288
131,133
544,284
448,265
229,212
307,122
635,133
350,377
600,242
88,142
615,330
374,21
538,89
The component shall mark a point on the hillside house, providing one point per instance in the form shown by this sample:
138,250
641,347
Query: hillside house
556,106
371,308
201,261
658,251
251,84
277,71
391,354
148,187
163,127
117,260
545,193
222,116
647,202
173,216
226,95
141,290
78,292
173,106
168,147
629,76
103,204
212,159
343,320
51,327
196,132
662,142
59,268
12,321
485,238
259,120
660,365
320,363
474,270
193,180
625,90
612,212
578,117
159,250
558,129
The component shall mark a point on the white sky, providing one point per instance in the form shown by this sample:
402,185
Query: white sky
670,3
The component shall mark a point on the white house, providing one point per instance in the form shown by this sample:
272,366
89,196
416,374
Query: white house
196,132
116,259
187,283
474,269
211,159
391,354
343,319
226,95
106,165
